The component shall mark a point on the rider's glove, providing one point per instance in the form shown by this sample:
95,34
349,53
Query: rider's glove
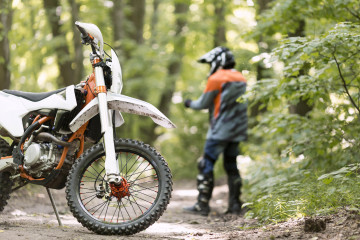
187,103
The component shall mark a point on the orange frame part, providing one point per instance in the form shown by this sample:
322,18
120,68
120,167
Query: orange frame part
89,87
80,133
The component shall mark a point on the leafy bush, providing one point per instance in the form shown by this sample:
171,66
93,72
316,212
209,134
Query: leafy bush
286,193
308,163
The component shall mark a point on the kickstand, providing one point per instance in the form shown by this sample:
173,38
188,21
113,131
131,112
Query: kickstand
54,206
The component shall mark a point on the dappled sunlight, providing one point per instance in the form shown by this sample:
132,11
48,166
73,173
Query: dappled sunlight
173,228
186,193
243,164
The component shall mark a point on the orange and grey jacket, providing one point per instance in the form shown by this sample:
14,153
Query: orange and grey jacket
228,118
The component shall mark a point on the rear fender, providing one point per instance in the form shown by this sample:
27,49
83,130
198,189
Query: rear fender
121,104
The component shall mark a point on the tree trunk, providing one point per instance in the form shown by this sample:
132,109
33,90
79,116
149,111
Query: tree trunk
262,5
53,12
175,64
174,67
6,22
137,18
154,20
220,29
79,57
301,108
118,22
300,31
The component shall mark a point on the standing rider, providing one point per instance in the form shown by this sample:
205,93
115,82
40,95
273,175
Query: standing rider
228,127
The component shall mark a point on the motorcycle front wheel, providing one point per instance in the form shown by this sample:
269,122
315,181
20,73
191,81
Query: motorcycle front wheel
124,209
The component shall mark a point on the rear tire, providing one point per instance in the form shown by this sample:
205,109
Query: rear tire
5,182
93,203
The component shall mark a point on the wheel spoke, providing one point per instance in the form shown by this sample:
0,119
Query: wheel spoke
90,178
87,197
143,178
121,164
140,191
119,204
100,163
128,170
100,205
115,212
95,170
143,199
106,203
96,177
138,203
107,208
140,172
127,161
83,188
138,184
125,209
126,164
88,192
146,188
88,201
132,206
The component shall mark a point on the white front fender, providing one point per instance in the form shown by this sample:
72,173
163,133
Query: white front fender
124,104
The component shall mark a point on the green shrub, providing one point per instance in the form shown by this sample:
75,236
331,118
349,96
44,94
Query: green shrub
287,193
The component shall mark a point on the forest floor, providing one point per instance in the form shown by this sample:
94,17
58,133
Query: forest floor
29,215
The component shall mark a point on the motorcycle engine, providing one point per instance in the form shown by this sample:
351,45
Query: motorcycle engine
41,158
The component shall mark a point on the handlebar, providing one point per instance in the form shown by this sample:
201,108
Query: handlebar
84,35
91,35
82,31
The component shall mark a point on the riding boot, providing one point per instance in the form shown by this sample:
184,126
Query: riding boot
234,183
205,186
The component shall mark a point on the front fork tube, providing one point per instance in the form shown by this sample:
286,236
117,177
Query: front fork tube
111,163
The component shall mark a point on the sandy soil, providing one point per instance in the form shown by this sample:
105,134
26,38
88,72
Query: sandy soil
29,215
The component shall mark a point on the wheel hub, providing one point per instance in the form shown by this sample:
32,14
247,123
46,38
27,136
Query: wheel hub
121,190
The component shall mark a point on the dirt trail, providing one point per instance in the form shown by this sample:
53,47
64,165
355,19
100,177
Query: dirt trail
30,216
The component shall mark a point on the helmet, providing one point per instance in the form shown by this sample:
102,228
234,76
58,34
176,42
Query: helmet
218,57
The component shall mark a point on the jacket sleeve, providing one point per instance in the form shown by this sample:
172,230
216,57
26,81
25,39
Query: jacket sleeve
205,100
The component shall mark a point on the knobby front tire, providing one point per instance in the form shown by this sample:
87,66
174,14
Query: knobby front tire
98,208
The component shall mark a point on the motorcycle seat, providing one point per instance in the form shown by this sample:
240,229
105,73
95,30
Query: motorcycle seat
34,97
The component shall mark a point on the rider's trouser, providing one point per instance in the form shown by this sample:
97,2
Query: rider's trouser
213,148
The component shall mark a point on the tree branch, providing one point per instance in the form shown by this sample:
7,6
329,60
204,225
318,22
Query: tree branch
352,13
352,55
344,84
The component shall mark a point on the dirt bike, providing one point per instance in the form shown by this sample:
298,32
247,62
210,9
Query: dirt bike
115,186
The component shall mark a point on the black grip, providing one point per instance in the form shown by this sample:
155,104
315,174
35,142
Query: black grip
84,35
83,32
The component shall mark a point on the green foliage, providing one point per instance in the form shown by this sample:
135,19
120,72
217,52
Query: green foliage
289,193
322,71
302,158
285,16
